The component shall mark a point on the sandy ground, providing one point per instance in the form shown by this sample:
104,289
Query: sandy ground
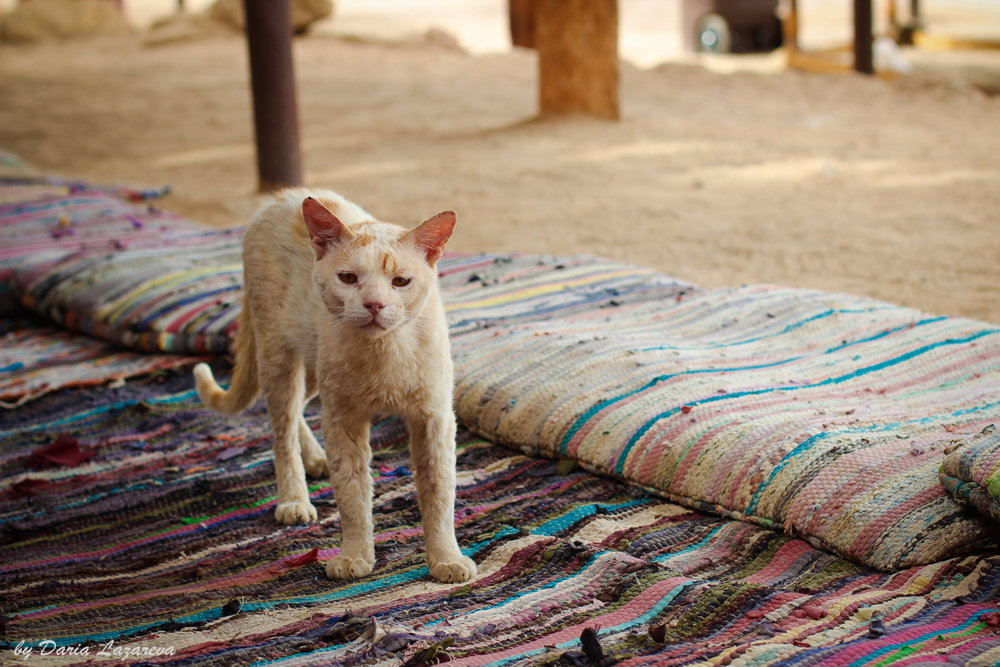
837,182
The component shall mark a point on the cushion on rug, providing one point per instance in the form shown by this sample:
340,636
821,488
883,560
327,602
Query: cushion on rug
819,414
102,262
178,292
43,220
971,472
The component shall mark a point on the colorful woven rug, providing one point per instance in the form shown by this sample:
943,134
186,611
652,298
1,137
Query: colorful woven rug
971,472
823,415
36,359
135,524
105,262
44,220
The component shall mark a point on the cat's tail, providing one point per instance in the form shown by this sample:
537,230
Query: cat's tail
244,387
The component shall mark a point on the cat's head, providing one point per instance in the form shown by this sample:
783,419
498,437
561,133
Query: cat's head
375,276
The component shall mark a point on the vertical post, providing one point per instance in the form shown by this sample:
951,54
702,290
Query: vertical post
577,43
272,79
863,37
522,22
790,26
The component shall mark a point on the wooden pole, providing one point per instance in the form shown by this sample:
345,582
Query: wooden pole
863,37
522,23
272,79
790,27
577,43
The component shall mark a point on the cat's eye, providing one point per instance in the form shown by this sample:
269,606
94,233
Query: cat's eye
348,278
400,281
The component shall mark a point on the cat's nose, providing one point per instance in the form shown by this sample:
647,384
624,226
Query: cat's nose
374,307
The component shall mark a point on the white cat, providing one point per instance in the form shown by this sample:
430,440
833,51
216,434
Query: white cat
346,306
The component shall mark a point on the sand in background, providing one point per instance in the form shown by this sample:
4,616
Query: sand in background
836,182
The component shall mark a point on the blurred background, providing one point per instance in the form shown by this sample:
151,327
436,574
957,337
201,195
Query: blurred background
722,169
650,30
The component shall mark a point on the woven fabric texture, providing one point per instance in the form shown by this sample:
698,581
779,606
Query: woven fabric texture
43,220
178,294
134,521
971,473
819,414
36,359
103,262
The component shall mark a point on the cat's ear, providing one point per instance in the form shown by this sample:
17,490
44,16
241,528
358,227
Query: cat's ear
325,229
432,234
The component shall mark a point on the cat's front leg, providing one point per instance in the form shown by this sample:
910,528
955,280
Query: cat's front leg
348,454
432,449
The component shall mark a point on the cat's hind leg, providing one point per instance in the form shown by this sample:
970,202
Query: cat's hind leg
313,456
282,377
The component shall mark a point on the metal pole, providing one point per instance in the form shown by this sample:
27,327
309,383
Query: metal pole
272,79
863,37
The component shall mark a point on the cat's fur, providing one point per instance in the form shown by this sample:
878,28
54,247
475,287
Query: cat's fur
341,305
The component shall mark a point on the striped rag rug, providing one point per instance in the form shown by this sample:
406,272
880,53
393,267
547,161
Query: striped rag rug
971,472
37,358
106,262
135,525
823,415
137,528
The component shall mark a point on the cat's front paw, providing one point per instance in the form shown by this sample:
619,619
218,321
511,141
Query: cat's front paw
344,568
453,569
290,514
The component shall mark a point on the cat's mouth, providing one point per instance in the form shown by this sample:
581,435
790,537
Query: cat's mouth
373,327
